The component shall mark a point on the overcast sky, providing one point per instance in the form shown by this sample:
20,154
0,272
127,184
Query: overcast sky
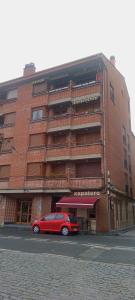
52,32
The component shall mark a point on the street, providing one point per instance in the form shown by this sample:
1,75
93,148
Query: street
50,266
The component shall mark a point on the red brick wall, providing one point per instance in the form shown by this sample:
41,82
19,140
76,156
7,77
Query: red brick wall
116,116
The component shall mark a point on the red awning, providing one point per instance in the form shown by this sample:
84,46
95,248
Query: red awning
77,202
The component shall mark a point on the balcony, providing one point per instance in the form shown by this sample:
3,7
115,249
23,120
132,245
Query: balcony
75,121
86,183
59,96
34,183
63,183
75,152
59,183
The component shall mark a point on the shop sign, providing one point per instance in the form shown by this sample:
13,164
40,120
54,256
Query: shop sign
87,193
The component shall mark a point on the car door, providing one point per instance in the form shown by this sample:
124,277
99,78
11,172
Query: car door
59,221
49,222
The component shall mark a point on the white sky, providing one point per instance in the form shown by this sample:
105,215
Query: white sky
52,32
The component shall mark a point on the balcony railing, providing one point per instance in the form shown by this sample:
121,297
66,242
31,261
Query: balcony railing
86,183
64,183
57,153
75,121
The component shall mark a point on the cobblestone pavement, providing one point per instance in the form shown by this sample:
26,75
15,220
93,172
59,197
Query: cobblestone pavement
27,276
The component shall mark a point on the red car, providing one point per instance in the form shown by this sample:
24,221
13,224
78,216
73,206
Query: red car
56,222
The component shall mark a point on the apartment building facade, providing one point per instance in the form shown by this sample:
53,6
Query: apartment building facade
66,144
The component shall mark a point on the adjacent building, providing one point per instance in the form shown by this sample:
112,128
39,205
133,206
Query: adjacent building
66,144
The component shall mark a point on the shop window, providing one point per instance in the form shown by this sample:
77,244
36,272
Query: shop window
92,213
38,113
6,145
4,171
72,211
36,169
112,97
37,140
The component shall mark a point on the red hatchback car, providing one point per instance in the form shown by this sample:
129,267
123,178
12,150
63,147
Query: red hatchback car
56,222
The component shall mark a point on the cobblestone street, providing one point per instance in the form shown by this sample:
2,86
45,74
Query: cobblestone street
25,276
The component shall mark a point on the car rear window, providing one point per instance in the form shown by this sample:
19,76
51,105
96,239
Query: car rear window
73,219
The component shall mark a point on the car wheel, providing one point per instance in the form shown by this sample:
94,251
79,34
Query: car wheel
65,231
36,229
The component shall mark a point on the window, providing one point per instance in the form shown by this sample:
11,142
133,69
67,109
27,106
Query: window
125,159
4,171
129,164
124,136
50,217
35,169
88,169
39,87
12,95
37,140
112,93
58,170
9,119
128,141
126,204
6,145
59,139
59,217
121,214
38,113
88,137
60,110
88,107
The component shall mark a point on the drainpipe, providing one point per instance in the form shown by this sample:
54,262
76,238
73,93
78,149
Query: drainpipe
105,83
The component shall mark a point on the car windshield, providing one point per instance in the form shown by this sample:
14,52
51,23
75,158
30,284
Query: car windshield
73,219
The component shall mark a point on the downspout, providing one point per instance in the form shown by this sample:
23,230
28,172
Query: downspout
105,84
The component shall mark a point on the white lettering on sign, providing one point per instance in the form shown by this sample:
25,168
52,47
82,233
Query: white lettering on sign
87,193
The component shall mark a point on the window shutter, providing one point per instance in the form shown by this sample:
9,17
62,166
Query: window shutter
6,144
90,169
37,140
9,118
4,171
39,88
35,169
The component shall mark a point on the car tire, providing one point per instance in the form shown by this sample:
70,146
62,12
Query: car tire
36,229
65,231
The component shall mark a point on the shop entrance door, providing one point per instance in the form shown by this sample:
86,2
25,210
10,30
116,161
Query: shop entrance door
24,211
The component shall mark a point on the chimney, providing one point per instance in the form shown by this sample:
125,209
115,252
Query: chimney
112,60
29,69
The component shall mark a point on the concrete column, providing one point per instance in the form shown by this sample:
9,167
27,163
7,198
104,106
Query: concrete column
41,205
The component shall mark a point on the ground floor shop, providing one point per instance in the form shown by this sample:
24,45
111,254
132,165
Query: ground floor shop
95,211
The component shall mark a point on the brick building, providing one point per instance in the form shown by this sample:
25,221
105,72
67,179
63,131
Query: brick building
66,143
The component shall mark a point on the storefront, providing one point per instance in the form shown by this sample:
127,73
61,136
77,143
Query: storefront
84,208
